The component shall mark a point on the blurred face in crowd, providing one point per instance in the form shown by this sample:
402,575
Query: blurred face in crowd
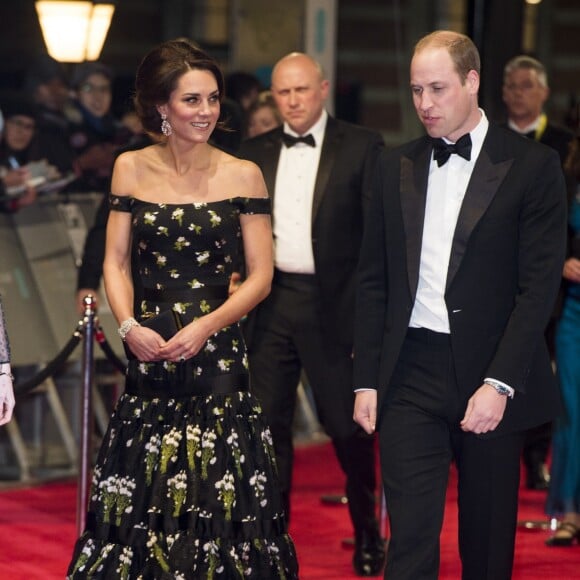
524,95
261,120
247,100
53,94
18,132
446,106
193,109
95,94
299,91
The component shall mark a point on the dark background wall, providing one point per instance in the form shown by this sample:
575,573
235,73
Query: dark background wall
374,44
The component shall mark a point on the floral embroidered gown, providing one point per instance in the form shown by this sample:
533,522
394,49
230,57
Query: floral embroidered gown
185,483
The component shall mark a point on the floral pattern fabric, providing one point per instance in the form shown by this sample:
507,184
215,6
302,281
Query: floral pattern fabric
185,486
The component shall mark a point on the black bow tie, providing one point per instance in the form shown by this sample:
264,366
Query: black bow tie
442,150
290,140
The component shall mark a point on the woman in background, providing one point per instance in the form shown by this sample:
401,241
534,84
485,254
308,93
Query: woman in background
564,492
97,134
263,115
17,149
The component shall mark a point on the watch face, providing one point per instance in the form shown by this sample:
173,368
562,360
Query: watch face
500,389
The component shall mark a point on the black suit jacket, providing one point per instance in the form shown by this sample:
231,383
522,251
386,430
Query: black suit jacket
554,136
558,138
342,191
504,271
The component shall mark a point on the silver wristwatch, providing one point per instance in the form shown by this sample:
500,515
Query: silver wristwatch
501,389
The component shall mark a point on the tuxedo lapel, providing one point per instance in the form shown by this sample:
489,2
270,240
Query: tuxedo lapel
330,145
269,161
483,185
413,184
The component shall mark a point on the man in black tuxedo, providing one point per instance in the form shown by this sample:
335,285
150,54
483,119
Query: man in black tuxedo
460,265
525,92
318,171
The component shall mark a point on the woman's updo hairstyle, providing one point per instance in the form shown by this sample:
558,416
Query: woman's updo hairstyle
159,73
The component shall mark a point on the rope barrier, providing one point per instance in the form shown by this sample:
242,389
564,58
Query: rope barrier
58,361
107,349
53,366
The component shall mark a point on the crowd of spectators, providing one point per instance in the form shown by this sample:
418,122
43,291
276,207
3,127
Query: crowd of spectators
60,132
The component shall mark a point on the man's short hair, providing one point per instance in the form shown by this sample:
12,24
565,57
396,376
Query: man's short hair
460,47
526,62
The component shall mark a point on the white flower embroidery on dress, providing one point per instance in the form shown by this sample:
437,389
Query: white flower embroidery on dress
125,559
152,447
149,218
258,482
169,446
225,364
227,493
193,441
177,215
177,491
207,451
214,218
181,307
202,257
181,243
160,259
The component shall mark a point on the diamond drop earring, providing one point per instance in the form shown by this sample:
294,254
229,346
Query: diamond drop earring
165,125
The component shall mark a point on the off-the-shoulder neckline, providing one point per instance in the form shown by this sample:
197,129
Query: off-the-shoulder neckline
215,201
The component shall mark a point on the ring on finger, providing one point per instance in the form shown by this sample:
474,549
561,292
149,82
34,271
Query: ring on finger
181,358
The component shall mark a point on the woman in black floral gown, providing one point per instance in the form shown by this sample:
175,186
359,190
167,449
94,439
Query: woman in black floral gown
185,483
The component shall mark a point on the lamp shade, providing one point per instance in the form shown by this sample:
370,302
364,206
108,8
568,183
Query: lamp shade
74,31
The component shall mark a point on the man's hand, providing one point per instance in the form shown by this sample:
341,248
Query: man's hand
365,410
484,411
235,282
572,270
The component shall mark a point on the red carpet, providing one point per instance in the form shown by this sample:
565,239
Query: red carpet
37,530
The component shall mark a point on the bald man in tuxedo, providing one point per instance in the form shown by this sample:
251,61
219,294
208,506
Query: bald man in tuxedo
318,171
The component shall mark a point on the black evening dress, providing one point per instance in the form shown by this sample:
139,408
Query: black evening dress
185,483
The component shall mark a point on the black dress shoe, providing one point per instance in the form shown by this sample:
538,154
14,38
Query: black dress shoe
369,555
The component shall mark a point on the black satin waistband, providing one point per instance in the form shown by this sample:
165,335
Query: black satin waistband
292,280
170,295
181,382
427,336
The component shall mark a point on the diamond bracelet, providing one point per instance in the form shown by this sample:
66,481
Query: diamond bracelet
126,326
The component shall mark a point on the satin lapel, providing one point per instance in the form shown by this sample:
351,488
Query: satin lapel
330,145
483,185
413,186
269,162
